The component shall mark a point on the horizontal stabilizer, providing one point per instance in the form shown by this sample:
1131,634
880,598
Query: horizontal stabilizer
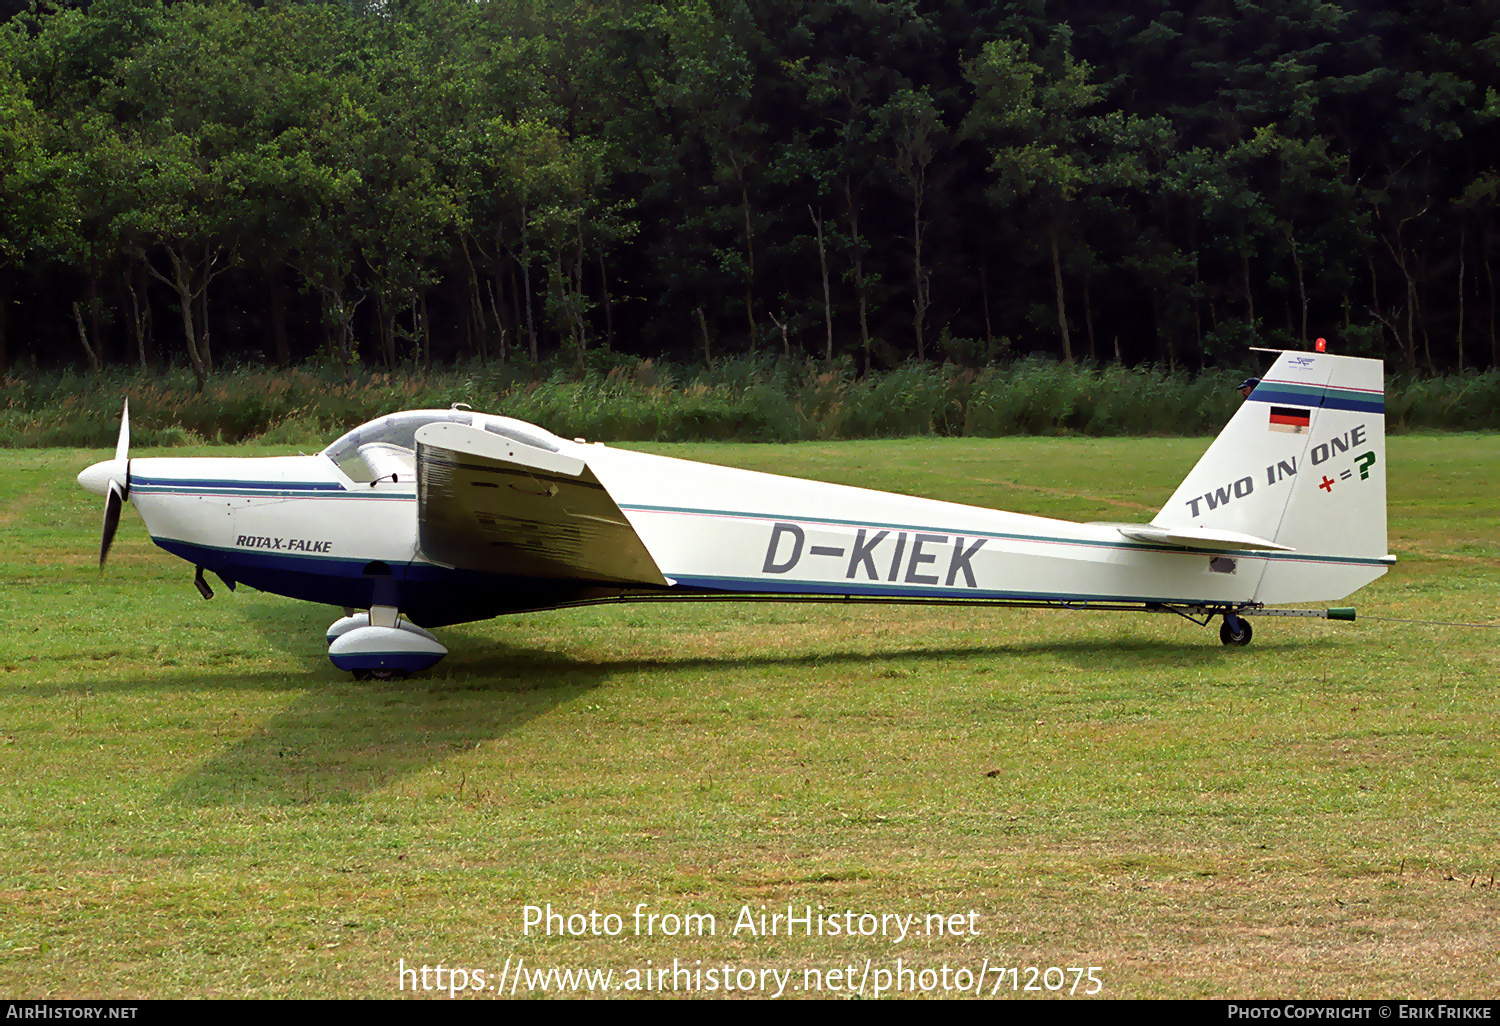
1199,538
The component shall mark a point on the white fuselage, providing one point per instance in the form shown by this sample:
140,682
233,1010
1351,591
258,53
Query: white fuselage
298,525
737,530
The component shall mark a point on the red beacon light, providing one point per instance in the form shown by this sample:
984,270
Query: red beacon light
1321,345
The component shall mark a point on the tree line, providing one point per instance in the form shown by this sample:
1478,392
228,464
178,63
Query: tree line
206,182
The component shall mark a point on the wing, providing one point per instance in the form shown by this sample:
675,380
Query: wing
497,504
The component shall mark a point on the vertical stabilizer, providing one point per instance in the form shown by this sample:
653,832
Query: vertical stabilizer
1301,463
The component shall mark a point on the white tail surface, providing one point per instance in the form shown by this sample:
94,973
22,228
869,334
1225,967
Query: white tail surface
1301,464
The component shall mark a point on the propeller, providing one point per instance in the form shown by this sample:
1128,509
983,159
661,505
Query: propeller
112,504
111,479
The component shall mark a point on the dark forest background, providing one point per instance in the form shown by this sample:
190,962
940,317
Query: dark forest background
410,182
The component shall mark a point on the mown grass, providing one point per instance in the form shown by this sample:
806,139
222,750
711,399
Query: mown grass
197,803
739,399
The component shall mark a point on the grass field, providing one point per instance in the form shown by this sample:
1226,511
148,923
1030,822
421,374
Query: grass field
195,802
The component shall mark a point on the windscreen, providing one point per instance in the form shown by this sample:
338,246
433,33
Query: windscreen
392,429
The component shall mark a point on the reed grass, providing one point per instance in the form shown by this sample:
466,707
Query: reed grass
748,398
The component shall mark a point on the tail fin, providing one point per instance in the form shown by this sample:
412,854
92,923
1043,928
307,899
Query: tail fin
1301,464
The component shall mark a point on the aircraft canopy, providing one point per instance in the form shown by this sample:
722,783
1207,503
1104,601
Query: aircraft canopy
400,430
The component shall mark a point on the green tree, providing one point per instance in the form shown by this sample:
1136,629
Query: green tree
1035,126
31,206
915,130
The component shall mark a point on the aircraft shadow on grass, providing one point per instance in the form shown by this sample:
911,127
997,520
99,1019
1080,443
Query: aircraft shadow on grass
341,740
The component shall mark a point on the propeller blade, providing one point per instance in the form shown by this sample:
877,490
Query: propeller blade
122,445
113,501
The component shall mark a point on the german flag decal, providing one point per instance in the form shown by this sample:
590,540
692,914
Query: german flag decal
1290,418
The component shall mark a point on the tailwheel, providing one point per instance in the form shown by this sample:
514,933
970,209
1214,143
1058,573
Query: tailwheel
1235,630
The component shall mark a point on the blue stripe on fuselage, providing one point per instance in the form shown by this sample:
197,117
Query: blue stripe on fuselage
197,485
753,585
426,593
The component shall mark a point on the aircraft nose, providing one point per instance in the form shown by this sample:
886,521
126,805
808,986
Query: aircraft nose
96,478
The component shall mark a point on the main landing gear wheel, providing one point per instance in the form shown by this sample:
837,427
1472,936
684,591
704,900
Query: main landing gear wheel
380,675
381,645
1235,630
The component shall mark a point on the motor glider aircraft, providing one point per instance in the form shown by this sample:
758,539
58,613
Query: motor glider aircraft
426,518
